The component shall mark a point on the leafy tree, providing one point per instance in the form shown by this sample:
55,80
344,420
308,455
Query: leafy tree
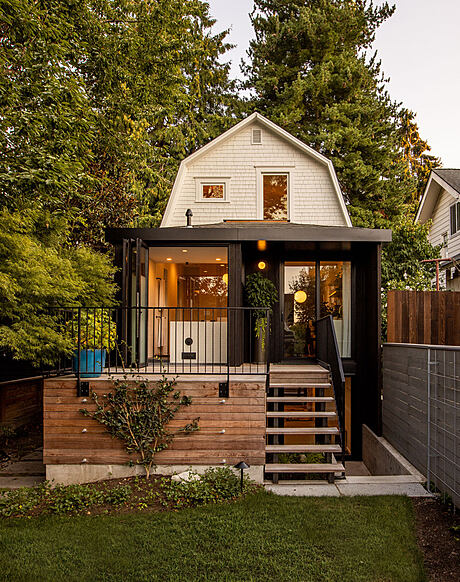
401,259
38,271
310,73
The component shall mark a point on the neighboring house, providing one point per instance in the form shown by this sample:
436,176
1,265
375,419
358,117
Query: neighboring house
441,204
255,199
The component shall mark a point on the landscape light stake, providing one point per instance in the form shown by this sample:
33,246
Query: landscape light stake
242,466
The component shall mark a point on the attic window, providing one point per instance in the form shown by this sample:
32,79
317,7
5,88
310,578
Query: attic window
212,190
256,136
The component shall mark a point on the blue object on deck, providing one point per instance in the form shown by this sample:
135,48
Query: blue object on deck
92,363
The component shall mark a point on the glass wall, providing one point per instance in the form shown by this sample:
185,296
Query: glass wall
299,310
335,300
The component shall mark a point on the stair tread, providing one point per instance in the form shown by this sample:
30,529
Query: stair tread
301,414
303,449
300,399
304,468
303,430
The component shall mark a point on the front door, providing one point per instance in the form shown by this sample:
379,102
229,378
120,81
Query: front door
299,310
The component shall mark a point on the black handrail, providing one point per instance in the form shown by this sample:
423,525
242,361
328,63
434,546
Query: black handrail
153,340
327,353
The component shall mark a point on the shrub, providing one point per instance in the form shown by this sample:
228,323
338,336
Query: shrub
215,485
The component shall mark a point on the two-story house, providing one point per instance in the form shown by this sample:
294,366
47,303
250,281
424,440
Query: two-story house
256,199
441,204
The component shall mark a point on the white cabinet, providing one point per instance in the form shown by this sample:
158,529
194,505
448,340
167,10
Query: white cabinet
199,342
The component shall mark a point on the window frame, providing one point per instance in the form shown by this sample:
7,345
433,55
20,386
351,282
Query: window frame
454,215
273,171
200,182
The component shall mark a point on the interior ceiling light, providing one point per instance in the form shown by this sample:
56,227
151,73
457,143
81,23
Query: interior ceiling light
218,259
168,258
262,265
261,245
300,296
184,250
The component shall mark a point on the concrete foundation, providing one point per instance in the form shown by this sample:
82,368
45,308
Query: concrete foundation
69,474
383,459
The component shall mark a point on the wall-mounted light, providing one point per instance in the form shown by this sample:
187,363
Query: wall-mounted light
261,245
262,265
300,296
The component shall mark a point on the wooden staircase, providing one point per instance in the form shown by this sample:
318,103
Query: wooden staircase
301,422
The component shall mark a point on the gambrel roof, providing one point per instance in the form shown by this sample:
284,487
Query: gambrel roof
276,129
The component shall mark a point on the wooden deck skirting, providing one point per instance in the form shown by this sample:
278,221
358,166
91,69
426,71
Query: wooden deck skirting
242,416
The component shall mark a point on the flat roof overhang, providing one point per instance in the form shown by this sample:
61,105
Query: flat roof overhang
245,232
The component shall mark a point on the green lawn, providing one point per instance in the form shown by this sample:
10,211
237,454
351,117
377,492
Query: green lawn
262,537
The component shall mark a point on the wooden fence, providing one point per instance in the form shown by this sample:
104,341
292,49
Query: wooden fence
424,317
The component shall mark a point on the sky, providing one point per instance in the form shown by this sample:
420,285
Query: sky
419,47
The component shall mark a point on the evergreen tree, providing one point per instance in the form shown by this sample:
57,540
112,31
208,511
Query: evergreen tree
310,73
418,163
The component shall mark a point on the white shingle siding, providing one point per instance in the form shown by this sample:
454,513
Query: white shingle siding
441,224
313,197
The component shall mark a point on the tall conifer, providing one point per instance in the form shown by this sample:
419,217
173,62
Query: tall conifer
310,72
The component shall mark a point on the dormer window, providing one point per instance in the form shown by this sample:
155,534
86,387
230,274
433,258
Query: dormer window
256,137
212,190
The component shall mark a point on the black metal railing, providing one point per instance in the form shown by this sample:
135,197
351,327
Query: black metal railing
157,340
327,353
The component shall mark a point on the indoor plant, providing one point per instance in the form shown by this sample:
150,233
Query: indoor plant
97,335
260,292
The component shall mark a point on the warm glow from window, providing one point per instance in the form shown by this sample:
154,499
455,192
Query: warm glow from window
225,278
213,191
275,193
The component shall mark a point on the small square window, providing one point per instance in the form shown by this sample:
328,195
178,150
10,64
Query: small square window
213,191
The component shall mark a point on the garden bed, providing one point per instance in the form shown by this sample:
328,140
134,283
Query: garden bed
128,495
438,537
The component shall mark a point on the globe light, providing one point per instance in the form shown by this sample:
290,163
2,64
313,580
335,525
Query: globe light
262,265
300,296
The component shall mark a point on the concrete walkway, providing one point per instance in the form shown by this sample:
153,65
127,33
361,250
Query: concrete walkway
350,486
27,472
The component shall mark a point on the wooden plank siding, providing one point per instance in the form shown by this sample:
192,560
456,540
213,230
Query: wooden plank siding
242,417
20,401
424,317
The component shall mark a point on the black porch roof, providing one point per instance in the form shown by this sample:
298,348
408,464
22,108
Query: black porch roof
251,231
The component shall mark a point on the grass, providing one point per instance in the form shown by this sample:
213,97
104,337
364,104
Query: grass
261,537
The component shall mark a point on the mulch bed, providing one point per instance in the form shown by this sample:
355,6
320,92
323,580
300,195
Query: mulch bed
438,540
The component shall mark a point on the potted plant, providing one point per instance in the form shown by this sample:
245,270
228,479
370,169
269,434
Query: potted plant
97,335
260,292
